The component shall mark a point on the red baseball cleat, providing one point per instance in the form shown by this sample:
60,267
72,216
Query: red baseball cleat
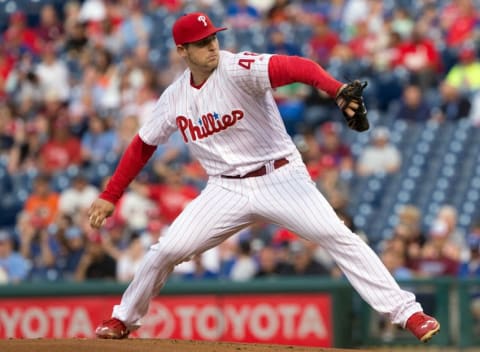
112,329
423,326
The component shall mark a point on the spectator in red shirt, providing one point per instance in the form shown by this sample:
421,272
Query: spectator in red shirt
364,42
171,5
458,20
50,28
62,150
420,57
172,196
323,41
7,62
19,37
439,256
331,146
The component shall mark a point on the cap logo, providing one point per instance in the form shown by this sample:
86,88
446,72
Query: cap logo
203,20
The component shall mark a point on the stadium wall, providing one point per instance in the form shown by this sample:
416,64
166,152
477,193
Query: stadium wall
294,311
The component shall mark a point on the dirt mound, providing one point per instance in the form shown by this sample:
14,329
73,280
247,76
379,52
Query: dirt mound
142,345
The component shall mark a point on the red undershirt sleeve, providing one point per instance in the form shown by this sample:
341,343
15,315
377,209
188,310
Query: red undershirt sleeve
283,70
131,163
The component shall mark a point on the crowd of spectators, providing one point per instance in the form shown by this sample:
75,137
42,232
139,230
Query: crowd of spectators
79,78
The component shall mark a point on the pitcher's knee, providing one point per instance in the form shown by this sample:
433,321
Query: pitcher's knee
340,234
169,256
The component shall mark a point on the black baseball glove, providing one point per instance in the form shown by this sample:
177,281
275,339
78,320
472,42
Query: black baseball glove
350,99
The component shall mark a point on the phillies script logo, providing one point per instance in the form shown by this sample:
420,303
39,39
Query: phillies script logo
207,125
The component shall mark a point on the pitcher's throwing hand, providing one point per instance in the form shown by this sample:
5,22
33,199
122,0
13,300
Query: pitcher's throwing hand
99,211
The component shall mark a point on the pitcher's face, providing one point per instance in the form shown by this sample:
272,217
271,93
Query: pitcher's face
202,55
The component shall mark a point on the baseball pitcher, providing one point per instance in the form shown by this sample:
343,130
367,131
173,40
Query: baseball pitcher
223,108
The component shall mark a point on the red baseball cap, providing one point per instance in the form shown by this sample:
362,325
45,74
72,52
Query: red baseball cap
330,128
193,27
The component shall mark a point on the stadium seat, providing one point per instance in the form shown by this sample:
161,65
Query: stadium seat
60,182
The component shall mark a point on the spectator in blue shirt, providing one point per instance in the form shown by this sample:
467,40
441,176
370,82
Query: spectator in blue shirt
241,15
470,267
413,107
278,44
13,267
137,27
40,247
98,141
200,272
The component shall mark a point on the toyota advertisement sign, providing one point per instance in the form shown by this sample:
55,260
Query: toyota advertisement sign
297,319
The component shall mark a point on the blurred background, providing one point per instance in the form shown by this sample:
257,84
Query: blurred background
78,78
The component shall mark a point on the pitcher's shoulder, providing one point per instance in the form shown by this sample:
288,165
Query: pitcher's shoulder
226,58
181,80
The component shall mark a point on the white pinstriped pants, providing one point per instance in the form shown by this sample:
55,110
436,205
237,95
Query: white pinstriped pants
288,197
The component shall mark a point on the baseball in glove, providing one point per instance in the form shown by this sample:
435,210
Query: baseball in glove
350,102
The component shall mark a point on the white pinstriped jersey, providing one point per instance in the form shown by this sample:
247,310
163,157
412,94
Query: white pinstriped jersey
231,124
